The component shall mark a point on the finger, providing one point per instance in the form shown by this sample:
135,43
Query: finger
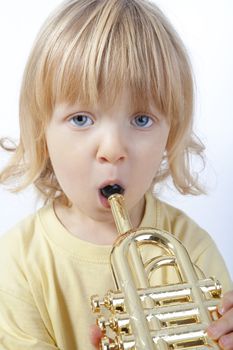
226,341
222,326
226,303
95,334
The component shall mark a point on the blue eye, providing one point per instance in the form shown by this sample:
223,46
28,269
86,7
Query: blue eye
142,121
81,120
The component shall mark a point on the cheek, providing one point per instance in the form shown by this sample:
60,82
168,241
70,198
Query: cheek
59,157
150,159
69,164
152,154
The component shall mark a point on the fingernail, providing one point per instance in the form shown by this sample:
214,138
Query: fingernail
225,342
221,308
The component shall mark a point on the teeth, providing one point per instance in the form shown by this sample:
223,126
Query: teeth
107,191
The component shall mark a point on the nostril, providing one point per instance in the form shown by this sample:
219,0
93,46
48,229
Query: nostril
111,158
107,191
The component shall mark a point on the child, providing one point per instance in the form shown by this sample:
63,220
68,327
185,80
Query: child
106,99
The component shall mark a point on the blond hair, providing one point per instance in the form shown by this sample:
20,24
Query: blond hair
88,50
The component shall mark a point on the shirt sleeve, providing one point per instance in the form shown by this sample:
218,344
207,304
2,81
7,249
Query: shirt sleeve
21,326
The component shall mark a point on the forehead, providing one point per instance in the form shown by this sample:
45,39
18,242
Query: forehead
98,72
124,101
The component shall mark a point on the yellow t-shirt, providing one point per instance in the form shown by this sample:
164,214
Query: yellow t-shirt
47,277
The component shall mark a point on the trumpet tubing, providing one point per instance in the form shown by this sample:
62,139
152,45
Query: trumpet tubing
144,316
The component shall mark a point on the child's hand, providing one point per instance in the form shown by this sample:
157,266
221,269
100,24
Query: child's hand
96,335
222,329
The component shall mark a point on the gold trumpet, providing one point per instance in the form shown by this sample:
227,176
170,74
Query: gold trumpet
142,316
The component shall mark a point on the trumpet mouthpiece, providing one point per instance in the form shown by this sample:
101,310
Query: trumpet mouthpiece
107,191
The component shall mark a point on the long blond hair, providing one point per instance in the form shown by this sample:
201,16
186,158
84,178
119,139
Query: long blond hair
87,50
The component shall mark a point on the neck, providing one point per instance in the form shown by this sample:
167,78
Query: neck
91,230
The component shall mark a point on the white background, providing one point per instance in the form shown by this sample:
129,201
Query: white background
207,30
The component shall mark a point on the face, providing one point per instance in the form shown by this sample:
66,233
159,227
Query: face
91,147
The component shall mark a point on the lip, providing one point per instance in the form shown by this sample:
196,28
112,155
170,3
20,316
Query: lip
111,182
103,200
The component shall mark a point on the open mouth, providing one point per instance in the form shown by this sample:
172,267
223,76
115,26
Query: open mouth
108,190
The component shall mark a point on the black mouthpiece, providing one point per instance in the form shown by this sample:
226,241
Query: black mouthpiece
107,191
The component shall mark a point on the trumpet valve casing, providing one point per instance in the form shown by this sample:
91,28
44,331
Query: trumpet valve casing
143,315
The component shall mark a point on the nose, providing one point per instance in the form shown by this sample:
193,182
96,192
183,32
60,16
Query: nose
112,147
